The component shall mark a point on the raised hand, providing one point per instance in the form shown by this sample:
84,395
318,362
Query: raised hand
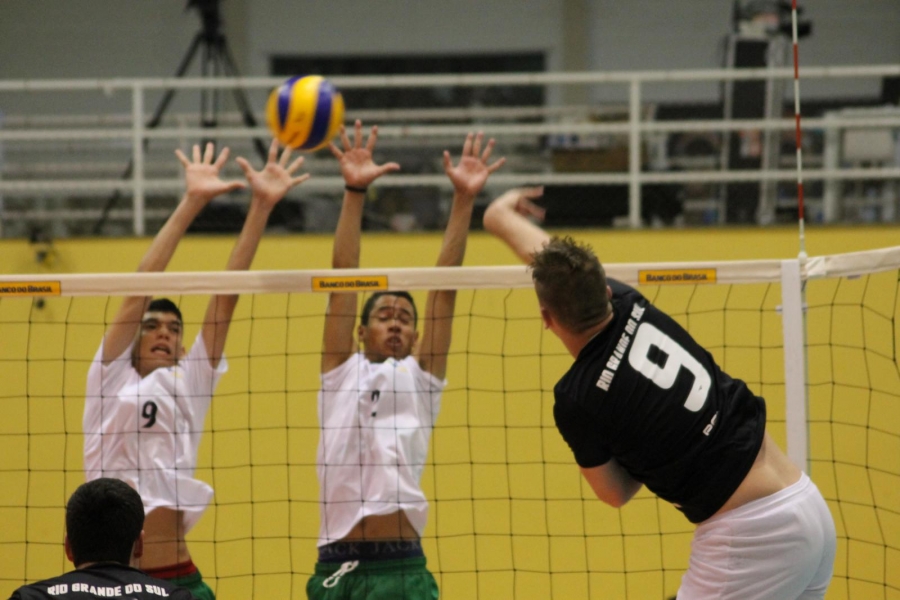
201,174
472,171
270,184
357,166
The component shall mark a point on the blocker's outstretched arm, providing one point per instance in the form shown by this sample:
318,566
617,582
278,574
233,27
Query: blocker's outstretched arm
469,177
359,171
509,217
269,186
202,184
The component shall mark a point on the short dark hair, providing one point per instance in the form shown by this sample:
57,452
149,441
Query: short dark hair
571,283
104,519
166,306
370,303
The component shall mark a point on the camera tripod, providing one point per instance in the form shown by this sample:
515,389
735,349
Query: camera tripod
216,60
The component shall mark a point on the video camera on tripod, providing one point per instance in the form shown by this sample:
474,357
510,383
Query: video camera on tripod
772,17
216,60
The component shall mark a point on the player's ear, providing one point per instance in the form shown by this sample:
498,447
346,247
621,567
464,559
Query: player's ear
547,318
609,292
68,546
361,333
137,550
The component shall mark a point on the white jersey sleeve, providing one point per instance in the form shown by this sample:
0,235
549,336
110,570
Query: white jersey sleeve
194,390
200,376
103,381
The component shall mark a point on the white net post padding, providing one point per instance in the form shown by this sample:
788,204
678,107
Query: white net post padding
794,333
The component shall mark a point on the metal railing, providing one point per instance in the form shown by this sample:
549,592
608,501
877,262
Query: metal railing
133,131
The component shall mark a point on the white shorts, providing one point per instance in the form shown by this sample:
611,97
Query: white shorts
778,547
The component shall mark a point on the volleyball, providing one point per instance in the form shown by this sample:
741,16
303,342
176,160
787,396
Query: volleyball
305,112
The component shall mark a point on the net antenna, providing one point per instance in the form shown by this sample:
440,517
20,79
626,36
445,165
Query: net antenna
216,60
798,132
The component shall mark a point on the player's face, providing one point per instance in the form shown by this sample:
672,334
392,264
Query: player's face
391,331
159,342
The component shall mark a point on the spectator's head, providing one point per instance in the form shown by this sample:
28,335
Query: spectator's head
104,523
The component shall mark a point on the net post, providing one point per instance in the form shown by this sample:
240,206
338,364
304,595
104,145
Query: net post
137,149
634,154
794,335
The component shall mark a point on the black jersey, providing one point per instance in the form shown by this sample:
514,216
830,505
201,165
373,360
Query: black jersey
645,393
104,580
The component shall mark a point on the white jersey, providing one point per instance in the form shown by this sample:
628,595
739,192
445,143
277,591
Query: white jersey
146,432
376,421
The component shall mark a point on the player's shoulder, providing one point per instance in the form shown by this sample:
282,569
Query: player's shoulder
625,297
355,367
581,376
46,588
621,289
29,592
102,580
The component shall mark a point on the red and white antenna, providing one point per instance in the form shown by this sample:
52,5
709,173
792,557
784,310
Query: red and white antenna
798,134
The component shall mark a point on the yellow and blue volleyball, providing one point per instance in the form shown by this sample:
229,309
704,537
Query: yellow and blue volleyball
305,112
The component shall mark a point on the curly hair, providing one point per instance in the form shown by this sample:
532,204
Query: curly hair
570,282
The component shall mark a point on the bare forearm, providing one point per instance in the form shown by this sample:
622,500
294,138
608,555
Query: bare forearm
440,304
221,307
163,246
338,343
126,322
453,250
522,236
453,247
248,242
345,254
242,255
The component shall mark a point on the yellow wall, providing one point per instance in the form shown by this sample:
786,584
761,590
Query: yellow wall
509,514
390,250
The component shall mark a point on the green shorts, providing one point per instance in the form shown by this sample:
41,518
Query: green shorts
401,579
194,582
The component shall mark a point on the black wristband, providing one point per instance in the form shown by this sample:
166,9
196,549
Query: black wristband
358,190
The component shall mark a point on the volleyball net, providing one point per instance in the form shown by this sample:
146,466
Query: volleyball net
510,516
